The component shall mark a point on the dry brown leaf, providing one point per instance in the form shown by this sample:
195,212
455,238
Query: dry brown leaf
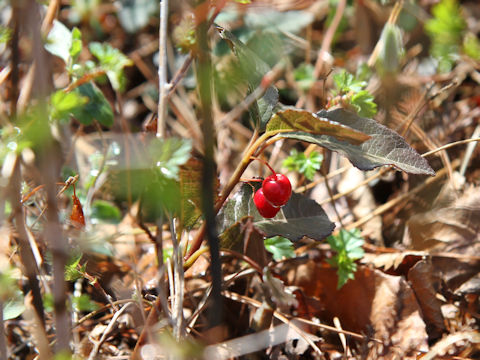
449,223
373,301
393,260
424,281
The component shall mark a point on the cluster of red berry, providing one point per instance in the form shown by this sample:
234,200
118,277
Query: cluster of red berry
274,193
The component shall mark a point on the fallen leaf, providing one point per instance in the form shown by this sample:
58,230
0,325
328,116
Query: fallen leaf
425,283
450,223
372,301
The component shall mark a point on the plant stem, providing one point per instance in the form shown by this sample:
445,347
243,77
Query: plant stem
162,70
204,78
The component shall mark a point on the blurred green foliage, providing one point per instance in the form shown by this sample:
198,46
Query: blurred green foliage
348,248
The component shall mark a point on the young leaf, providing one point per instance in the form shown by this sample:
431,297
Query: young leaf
77,45
446,30
305,121
350,90
112,61
364,104
307,166
72,271
385,146
348,246
280,247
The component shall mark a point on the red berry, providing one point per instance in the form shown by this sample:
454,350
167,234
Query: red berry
265,209
277,189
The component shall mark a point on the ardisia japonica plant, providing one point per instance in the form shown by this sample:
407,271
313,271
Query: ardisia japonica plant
274,209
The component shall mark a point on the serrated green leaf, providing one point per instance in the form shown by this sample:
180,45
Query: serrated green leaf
59,41
97,107
385,146
280,247
348,246
364,103
72,271
305,121
169,154
113,61
307,166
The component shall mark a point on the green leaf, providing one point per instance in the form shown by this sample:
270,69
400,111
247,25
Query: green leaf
298,218
364,104
14,306
305,121
280,247
63,105
112,61
346,82
84,303
5,34
77,45
385,146
72,271
266,106
169,154
307,166
105,211
446,31
97,107
348,246
471,46
352,91
59,41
